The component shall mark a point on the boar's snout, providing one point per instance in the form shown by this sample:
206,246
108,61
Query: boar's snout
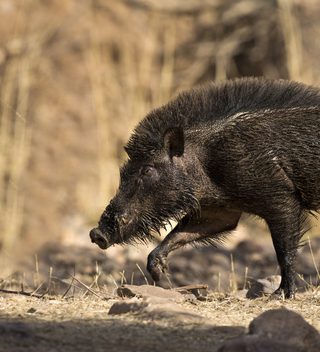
98,238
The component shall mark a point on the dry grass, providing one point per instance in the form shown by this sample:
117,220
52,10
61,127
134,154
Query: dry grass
76,323
223,309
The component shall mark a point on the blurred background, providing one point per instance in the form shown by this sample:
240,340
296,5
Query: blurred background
75,78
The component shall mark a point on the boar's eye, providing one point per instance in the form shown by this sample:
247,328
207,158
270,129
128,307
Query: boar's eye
148,171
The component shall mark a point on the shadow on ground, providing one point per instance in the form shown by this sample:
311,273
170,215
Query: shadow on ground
111,335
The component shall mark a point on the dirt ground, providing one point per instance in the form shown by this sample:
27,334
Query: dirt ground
83,324
71,318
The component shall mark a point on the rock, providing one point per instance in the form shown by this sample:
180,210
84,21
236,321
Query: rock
277,330
257,344
172,311
286,326
264,286
31,310
127,306
145,291
193,292
155,308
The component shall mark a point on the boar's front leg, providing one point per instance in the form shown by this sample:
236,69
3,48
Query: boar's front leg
212,224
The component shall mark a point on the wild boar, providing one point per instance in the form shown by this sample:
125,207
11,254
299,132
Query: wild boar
246,145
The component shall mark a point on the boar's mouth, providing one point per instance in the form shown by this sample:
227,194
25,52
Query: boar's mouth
149,222
140,228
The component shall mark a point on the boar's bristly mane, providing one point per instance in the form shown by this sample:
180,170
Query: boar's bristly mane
216,102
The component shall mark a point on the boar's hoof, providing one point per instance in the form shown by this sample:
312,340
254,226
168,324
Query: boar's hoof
157,264
280,294
97,237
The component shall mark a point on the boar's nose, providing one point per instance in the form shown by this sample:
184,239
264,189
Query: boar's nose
123,219
98,238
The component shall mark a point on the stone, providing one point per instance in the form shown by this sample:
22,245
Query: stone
31,310
172,311
155,308
127,306
257,344
150,291
276,330
193,292
287,326
261,287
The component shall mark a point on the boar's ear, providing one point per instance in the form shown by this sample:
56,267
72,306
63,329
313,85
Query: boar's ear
174,141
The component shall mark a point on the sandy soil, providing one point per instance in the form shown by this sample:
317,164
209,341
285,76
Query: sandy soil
83,324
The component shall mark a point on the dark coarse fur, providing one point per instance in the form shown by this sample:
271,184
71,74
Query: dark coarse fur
248,145
213,105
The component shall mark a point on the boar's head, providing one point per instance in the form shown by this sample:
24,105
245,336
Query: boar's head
155,187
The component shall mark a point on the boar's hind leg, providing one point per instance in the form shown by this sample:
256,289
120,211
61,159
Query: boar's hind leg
286,227
210,225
